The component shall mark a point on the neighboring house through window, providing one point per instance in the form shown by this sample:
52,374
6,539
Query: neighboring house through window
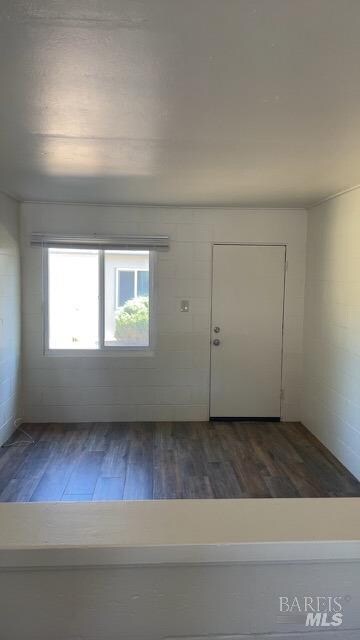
131,284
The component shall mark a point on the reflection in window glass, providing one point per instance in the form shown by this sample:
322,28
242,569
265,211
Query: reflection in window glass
126,317
73,281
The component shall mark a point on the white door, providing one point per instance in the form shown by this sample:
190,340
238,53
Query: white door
246,331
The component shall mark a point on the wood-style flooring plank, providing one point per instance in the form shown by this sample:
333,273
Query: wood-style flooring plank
109,489
85,474
166,460
138,482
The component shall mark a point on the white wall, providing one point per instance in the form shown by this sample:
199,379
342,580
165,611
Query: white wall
9,316
332,328
234,601
174,383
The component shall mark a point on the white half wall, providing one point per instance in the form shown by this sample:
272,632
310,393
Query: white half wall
332,328
173,384
185,569
9,316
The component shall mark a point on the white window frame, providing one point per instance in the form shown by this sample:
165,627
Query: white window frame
113,350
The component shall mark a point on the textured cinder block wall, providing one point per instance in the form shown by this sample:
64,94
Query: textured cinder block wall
332,327
173,384
9,316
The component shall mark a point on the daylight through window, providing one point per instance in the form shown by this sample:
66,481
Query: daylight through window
97,299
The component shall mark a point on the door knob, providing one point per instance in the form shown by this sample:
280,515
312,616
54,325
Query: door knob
216,342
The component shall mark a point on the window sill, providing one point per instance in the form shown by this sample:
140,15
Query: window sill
110,352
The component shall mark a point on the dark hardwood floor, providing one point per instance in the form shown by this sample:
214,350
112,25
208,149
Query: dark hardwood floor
144,461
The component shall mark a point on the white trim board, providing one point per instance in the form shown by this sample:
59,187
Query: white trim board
180,531
346,634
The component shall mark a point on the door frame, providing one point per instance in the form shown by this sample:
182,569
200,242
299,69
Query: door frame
250,244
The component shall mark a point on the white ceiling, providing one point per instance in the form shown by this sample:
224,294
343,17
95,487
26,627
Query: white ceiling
250,102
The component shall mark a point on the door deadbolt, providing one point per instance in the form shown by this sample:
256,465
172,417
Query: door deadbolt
216,329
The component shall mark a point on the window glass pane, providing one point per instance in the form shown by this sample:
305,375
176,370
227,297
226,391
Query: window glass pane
143,283
126,287
126,318
73,280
